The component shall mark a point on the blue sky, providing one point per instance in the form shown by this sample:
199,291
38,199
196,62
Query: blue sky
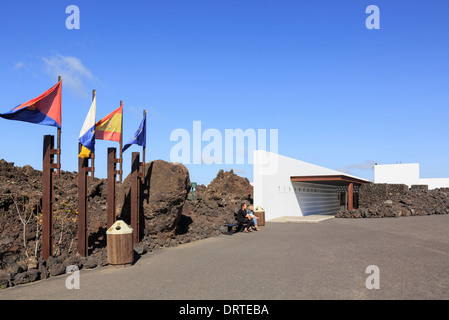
340,95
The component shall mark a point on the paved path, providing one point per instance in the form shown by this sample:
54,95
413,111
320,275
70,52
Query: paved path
325,260
314,218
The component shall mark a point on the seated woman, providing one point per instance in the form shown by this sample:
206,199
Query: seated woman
250,212
244,219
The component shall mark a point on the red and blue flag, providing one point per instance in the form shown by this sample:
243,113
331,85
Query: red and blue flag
44,110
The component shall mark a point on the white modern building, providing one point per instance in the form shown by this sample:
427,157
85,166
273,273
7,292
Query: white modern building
406,173
288,187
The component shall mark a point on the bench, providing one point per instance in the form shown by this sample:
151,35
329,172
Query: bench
232,225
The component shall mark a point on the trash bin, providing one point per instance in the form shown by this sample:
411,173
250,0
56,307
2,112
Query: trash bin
259,212
120,244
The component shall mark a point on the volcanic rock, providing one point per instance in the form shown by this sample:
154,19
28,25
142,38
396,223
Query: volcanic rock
168,216
26,277
215,205
397,201
164,191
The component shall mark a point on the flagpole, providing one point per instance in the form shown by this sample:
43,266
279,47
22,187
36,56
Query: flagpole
121,145
92,155
144,148
58,156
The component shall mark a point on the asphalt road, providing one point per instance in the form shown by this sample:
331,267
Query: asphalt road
326,260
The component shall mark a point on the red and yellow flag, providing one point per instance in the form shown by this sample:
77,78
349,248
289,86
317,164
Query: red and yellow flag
110,127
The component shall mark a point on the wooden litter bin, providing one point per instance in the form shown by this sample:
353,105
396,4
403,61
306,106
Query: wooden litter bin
260,214
120,244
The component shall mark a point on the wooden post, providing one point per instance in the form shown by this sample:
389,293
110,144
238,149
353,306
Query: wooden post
47,197
112,154
135,196
82,205
92,165
121,147
92,155
351,196
143,153
58,157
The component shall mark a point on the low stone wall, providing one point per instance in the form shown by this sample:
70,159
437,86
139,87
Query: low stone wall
386,200
372,193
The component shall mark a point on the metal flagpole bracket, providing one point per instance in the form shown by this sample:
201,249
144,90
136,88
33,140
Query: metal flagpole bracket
82,206
136,184
112,176
58,148
47,196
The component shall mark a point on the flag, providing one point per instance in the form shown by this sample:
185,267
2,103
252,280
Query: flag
44,110
110,127
140,137
87,134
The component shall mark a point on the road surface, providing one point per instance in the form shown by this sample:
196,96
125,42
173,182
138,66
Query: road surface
326,260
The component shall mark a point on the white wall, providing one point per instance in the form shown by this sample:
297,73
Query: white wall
434,183
407,173
274,191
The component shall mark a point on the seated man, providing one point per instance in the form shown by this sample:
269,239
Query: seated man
244,219
250,212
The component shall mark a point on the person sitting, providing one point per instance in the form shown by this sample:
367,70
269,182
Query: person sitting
250,212
244,219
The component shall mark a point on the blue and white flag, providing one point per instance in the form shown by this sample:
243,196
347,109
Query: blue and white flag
87,134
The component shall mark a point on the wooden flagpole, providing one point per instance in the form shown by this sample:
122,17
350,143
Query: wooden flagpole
82,204
111,178
121,146
135,195
47,196
144,149
92,155
58,147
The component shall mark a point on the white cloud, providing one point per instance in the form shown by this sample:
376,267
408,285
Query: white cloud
72,71
238,171
19,65
207,159
367,165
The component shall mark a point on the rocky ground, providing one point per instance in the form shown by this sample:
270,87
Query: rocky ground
403,202
169,217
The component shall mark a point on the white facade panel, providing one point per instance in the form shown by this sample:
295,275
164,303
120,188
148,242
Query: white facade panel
397,173
435,183
406,174
274,191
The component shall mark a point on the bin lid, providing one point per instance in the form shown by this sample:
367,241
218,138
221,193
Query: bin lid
259,209
119,227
